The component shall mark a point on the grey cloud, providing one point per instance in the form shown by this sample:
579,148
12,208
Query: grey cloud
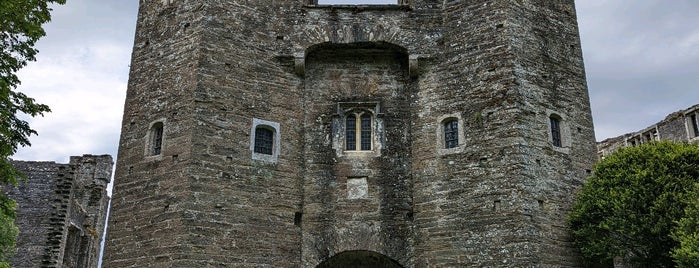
641,60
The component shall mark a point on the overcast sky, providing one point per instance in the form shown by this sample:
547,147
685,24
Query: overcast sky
641,58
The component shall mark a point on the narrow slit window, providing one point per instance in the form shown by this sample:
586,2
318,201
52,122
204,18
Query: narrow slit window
451,134
351,133
695,125
366,132
556,131
157,138
264,140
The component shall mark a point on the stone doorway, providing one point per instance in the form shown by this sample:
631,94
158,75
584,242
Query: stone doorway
359,259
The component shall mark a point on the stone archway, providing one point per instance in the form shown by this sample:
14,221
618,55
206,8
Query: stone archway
359,259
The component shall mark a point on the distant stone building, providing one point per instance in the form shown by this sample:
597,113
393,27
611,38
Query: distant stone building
680,126
288,133
61,211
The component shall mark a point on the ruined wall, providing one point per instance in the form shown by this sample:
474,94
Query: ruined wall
213,72
680,126
61,211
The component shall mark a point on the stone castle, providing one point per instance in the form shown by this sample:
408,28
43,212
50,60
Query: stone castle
425,133
61,211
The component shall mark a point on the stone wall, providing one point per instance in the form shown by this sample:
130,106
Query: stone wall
680,126
61,211
213,71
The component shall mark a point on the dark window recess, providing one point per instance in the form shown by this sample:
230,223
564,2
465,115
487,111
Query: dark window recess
695,125
263,140
351,133
366,132
556,131
451,134
157,133
360,2
298,216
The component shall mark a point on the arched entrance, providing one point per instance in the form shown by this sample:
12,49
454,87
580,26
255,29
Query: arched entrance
359,259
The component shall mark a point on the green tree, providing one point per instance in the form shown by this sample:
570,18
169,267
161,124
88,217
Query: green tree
20,28
631,205
687,233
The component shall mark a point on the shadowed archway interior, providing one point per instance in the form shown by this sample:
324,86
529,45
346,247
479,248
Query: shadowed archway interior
359,259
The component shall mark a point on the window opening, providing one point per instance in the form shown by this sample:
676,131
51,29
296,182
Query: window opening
359,122
451,134
366,132
556,131
695,125
157,138
264,139
351,133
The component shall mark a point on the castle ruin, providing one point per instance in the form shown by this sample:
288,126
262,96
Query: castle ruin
425,133
61,211
680,126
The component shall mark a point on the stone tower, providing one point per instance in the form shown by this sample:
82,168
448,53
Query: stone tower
427,133
61,211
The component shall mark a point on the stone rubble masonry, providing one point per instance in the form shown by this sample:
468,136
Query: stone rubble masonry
61,211
209,69
677,127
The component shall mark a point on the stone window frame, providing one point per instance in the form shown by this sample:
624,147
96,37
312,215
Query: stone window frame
155,138
275,127
441,139
339,128
564,131
692,125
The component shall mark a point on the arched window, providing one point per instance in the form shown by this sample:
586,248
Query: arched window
264,140
156,138
451,133
358,122
556,130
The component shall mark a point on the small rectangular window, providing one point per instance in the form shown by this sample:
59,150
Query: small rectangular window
451,134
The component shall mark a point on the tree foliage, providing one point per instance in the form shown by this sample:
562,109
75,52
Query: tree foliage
687,233
630,206
8,230
20,28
